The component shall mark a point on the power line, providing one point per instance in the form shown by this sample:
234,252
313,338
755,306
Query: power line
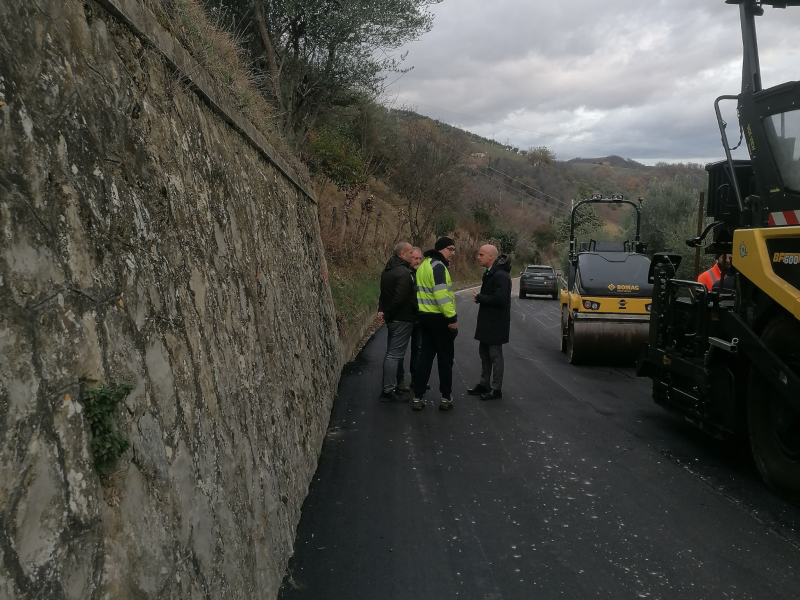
512,179
490,178
526,185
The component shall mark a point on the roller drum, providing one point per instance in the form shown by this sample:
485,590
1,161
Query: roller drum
606,342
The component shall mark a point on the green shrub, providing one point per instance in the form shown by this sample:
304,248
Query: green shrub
354,292
543,236
586,221
669,216
528,256
482,216
505,239
107,444
338,158
444,224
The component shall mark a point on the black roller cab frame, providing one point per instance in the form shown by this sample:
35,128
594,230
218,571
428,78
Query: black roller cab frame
728,360
637,245
605,305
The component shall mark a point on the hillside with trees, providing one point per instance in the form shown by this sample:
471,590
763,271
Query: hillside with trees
310,74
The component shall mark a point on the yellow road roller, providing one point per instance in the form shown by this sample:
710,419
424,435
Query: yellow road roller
605,306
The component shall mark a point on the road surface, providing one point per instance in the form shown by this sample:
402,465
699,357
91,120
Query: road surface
574,485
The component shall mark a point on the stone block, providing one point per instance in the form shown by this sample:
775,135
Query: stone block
39,516
149,452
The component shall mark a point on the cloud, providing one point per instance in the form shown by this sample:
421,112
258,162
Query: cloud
588,78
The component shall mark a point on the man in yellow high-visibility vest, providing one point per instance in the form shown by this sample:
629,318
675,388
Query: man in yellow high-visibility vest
438,321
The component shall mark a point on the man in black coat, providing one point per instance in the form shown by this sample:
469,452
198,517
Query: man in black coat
416,332
494,321
397,307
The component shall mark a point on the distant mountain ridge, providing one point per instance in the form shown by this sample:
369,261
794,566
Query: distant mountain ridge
613,161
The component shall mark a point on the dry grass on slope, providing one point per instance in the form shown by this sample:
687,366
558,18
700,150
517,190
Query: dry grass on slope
358,246
220,53
357,249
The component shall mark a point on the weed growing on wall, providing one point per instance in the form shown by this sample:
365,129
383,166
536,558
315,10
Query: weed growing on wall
355,289
107,444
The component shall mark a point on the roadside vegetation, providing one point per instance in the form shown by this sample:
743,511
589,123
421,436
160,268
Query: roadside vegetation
310,74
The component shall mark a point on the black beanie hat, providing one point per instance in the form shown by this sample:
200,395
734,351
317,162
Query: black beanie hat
443,243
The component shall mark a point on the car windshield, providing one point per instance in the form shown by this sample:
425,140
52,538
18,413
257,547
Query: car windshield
540,270
782,132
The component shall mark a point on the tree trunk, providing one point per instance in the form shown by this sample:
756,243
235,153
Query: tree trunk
367,206
332,224
350,197
403,221
345,221
272,59
312,118
370,208
378,218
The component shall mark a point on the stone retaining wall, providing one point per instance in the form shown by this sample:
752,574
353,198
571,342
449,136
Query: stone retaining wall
146,240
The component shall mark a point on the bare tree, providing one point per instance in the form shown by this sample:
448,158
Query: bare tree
378,223
403,216
427,173
367,206
332,224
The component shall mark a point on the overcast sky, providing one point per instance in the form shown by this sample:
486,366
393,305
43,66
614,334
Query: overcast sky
636,78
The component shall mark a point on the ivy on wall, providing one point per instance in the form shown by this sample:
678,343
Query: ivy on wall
107,444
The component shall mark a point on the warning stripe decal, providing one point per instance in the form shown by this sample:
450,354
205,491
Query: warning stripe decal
786,217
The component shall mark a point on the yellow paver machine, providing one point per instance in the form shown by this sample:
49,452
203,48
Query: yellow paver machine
728,359
605,307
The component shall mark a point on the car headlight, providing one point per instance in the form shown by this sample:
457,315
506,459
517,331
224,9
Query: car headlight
647,307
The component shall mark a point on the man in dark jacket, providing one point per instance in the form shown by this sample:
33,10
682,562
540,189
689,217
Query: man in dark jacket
494,321
416,332
397,306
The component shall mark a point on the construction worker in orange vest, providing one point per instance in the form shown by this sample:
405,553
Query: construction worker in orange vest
714,274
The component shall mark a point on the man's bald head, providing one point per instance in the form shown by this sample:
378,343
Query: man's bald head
487,255
403,250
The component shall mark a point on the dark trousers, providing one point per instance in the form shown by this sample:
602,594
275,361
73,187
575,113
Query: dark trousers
398,334
416,346
437,342
492,365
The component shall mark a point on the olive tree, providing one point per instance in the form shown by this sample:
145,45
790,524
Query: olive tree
540,156
669,216
587,221
321,53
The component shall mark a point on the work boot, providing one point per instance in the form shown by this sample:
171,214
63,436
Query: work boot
492,395
401,385
418,403
478,390
446,403
393,397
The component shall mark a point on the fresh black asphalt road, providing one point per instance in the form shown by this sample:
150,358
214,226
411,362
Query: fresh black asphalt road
574,485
